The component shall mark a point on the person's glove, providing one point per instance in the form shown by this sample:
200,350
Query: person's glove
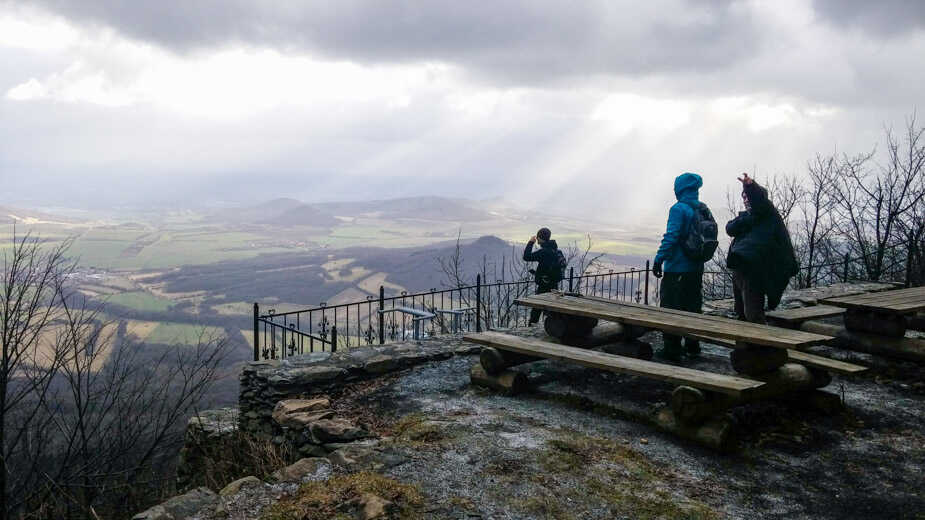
657,269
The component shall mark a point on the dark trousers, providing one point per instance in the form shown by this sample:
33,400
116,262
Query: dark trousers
749,298
534,312
682,291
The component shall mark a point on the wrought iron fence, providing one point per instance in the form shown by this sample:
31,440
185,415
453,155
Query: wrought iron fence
388,319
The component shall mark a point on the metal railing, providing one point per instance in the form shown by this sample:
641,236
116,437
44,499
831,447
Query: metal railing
466,308
387,319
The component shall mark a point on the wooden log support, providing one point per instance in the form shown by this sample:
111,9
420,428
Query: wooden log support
911,349
714,433
555,324
560,325
507,381
884,324
494,361
602,334
819,401
916,321
630,348
692,405
756,359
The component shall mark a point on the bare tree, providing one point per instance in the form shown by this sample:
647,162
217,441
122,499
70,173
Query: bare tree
582,258
872,204
815,230
89,421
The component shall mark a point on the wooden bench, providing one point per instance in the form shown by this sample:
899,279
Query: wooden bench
792,318
697,406
804,358
720,383
673,321
899,301
887,313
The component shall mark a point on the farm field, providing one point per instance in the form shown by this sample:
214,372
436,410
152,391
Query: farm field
140,300
168,273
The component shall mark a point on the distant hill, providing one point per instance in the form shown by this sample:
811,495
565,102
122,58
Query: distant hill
282,211
291,212
425,208
302,215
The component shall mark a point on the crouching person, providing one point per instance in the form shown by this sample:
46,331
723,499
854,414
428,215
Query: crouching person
550,265
689,241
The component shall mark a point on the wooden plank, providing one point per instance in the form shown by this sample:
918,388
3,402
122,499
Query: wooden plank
728,385
828,364
720,321
673,321
802,314
898,301
805,358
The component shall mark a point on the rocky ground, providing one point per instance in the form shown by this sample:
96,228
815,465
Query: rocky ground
580,445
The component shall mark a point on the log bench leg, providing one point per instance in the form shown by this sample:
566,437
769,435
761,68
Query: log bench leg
883,324
692,405
494,360
912,349
506,381
630,348
714,433
560,325
756,359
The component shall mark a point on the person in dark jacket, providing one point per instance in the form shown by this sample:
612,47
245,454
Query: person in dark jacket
761,255
548,272
682,286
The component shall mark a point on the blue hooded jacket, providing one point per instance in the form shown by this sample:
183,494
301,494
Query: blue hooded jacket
680,216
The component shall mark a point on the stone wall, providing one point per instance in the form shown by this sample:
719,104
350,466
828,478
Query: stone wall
266,383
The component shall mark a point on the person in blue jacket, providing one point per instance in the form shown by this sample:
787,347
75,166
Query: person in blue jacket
682,285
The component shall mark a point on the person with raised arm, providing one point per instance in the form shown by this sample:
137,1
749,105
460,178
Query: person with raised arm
760,256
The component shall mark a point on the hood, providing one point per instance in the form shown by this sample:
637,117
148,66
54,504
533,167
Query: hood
758,198
550,244
686,186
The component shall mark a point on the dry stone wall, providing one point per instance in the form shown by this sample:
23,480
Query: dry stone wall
265,383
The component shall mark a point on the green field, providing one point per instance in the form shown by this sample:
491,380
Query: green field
181,333
140,300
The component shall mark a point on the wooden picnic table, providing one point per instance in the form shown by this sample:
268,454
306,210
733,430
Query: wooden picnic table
897,301
673,321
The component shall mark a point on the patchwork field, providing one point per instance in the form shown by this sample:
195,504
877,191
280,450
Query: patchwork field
140,300
165,270
182,334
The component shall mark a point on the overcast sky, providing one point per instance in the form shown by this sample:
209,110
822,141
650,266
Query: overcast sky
592,105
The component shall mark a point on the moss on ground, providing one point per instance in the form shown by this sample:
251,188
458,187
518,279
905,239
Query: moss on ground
609,474
420,429
332,499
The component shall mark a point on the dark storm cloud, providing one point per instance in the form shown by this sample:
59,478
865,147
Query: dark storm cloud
509,40
880,17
